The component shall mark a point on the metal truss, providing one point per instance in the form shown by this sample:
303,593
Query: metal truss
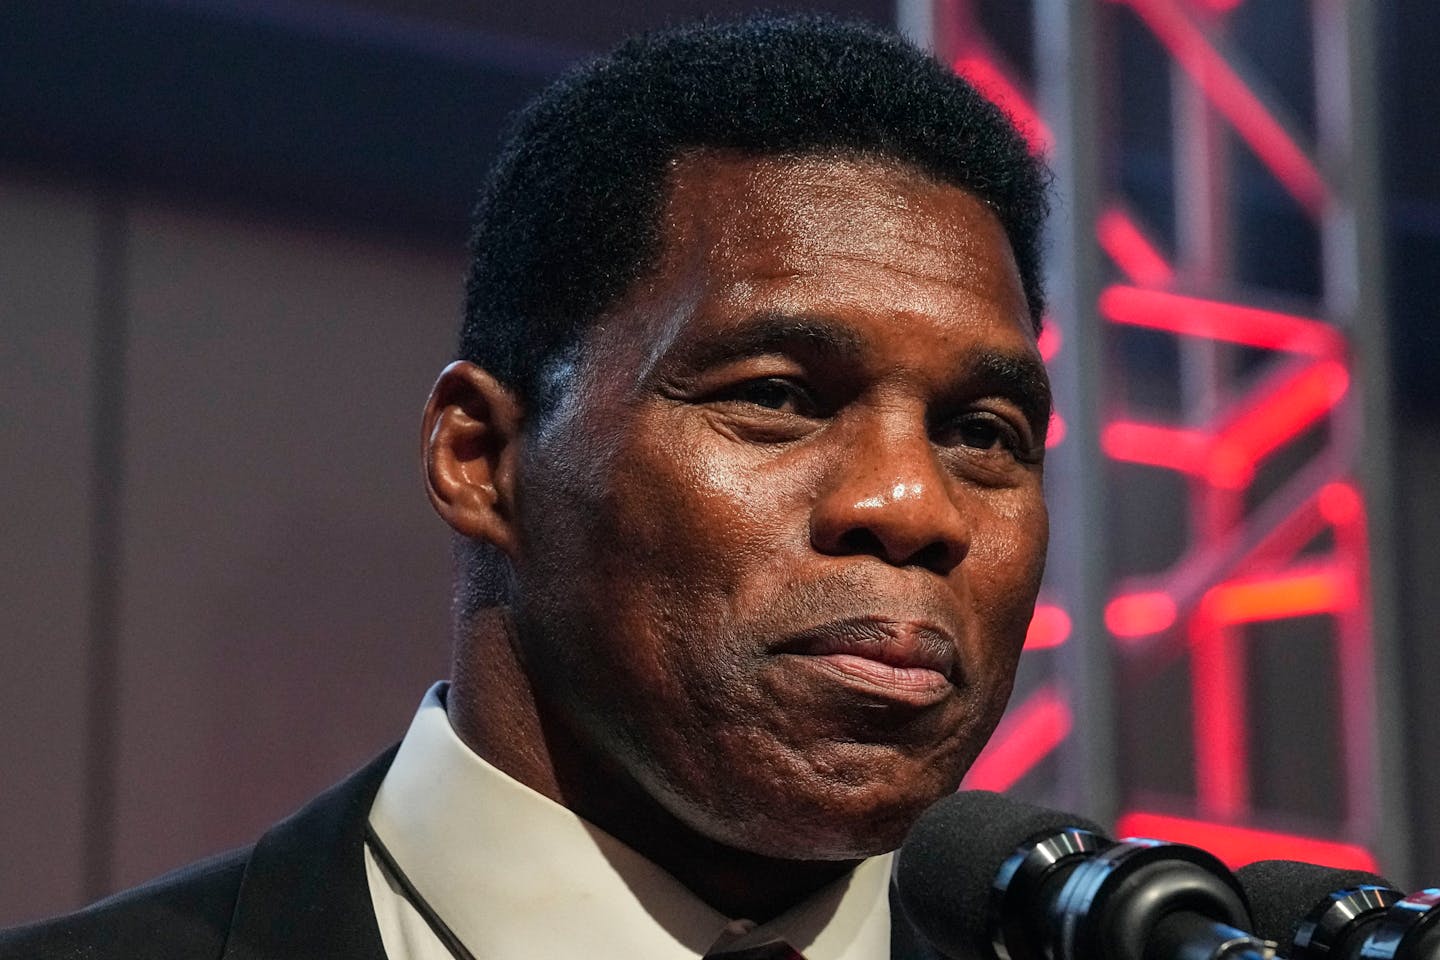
1279,453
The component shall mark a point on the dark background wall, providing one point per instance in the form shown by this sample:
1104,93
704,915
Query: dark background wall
231,254
231,246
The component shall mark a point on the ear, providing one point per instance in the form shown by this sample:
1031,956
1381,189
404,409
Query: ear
471,450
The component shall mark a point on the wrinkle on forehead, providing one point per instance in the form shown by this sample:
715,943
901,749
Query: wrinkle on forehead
735,223
808,207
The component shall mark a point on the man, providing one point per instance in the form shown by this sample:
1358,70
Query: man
743,456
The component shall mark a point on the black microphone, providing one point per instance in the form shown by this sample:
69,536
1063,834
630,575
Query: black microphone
1313,911
1319,912
982,875
1410,930
968,842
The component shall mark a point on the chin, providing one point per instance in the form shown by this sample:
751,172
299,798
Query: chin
846,823
838,837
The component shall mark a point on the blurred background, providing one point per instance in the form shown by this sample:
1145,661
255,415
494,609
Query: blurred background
231,255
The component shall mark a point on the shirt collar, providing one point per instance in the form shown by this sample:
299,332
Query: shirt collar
515,874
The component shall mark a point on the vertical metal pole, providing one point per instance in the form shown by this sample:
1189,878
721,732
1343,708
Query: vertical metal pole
1205,242
915,21
1354,261
1068,92
1205,258
1203,232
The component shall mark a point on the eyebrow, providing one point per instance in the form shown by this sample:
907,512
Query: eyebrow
1019,377
772,332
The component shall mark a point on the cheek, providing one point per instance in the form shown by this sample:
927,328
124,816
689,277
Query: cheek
707,511
1003,571
666,537
1008,544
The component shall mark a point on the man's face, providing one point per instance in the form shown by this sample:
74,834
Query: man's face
780,539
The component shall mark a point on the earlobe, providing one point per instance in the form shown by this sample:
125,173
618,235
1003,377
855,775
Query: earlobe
470,450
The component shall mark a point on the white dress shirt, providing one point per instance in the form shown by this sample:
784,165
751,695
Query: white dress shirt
516,876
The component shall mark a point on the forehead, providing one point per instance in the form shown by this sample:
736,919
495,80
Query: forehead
875,245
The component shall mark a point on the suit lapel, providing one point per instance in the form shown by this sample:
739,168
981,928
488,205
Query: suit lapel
304,895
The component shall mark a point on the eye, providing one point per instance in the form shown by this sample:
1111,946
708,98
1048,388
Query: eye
775,393
988,432
982,433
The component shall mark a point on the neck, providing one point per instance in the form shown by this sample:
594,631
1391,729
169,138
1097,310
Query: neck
494,710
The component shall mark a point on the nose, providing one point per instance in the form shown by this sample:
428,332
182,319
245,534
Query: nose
889,497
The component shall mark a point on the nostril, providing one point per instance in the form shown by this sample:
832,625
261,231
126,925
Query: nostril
935,556
861,540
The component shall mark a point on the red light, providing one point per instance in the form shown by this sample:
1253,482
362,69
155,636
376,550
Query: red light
1300,593
1250,557
1026,736
1056,431
1050,340
1131,250
1192,316
1280,544
1049,628
1223,87
1049,344
1230,469
1140,614
986,76
1238,846
1174,448
1340,504
1287,409
1222,752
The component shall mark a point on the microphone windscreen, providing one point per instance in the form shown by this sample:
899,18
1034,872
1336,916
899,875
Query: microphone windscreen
1282,893
952,856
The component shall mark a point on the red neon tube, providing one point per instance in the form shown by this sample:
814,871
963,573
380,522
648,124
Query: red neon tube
1238,846
1292,593
1223,87
1214,320
986,76
1026,736
1049,628
1131,250
1220,715
1290,407
1140,614
1156,445
1050,340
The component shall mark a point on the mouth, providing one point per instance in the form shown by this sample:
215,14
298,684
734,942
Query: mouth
908,662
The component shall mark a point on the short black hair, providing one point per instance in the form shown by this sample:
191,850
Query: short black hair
570,216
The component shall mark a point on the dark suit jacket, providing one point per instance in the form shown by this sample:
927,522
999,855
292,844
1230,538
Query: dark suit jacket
300,893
